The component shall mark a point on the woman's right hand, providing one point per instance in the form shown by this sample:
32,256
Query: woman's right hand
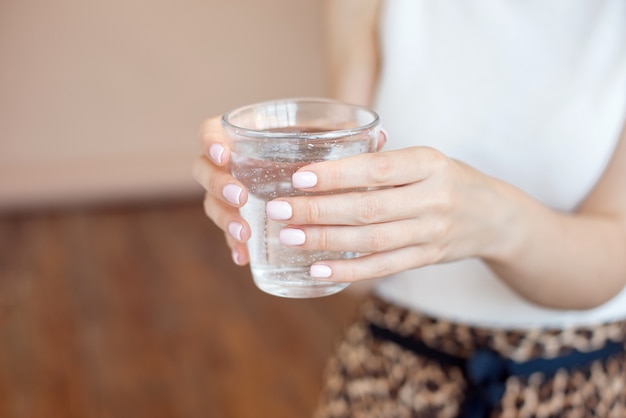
224,194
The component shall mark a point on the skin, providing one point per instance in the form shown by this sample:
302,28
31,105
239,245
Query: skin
426,208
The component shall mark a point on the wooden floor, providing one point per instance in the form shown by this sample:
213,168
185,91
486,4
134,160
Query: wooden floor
139,312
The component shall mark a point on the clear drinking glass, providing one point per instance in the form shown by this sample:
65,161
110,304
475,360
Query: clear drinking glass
270,141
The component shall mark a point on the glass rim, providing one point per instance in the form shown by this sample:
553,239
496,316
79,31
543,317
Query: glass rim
332,133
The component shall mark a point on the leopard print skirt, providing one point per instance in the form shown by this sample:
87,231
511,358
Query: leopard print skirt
374,375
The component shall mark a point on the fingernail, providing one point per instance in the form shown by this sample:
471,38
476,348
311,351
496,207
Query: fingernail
215,152
236,257
291,236
385,135
232,193
303,179
234,229
278,210
320,271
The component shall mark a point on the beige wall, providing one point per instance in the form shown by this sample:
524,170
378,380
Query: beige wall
101,100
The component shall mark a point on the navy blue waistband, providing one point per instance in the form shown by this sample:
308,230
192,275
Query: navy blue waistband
486,371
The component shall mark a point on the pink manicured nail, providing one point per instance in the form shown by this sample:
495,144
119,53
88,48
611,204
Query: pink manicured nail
303,179
386,137
320,271
292,236
278,210
232,193
216,151
384,132
236,257
234,229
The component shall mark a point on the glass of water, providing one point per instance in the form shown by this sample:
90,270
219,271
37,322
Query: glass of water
271,141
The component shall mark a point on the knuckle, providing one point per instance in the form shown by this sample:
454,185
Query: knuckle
321,239
213,185
432,153
370,210
378,239
207,205
350,274
432,255
206,177
382,268
333,175
313,212
439,230
444,202
438,160
229,240
381,170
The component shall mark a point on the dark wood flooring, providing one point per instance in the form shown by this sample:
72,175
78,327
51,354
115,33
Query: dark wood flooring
138,311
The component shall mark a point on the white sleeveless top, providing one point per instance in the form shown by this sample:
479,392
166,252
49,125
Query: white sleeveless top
532,92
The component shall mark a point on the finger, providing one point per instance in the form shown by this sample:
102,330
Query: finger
227,218
371,170
375,265
239,251
215,142
219,183
362,239
355,208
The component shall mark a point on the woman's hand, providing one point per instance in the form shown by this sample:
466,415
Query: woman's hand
224,194
422,208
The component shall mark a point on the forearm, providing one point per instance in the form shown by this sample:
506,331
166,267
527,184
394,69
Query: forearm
560,260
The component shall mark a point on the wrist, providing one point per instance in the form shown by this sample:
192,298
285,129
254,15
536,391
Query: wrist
512,213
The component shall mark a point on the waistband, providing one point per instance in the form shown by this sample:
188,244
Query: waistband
488,357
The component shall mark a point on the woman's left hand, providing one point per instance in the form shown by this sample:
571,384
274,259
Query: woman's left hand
421,208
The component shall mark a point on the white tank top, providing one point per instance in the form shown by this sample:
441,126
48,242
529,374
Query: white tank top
532,92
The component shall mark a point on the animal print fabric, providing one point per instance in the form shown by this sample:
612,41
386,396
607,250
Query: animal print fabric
372,377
